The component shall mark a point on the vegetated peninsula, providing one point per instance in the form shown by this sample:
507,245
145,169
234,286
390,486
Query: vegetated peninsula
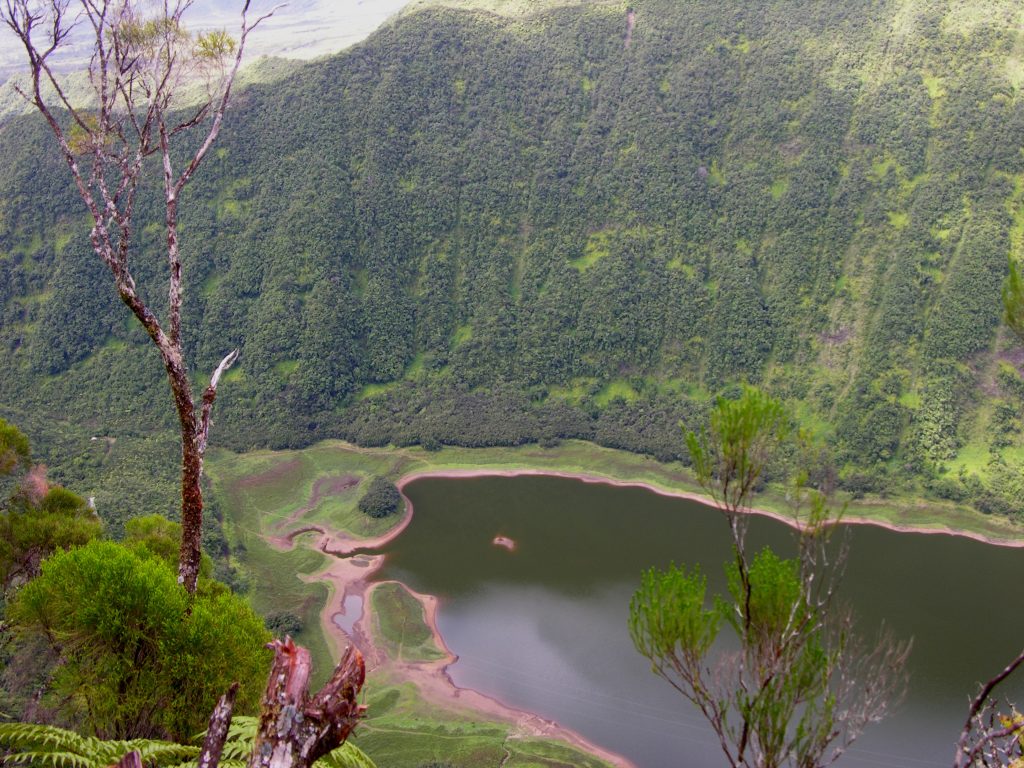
486,226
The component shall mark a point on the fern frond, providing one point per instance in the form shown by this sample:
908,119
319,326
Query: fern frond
162,753
348,755
243,729
46,746
30,736
46,759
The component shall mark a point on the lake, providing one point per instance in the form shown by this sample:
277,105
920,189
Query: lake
544,628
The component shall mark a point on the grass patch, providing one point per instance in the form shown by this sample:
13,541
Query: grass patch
678,264
235,374
403,731
934,85
880,168
462,334
29,248
598,246
973,458
908,186
899,219
742,44
229,204
809,419
779,188
376,390
910,400
1015,207
1015,72
399,621
210,284
286,368
574,392
715,174
36,299
617,389
62,242
415,371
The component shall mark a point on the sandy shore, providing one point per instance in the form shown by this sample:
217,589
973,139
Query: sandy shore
350,574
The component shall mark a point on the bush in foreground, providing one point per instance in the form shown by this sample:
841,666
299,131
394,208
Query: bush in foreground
140,659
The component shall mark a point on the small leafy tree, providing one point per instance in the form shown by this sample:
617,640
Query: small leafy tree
140,659
283,623
14,449
31,532
801,687
381,499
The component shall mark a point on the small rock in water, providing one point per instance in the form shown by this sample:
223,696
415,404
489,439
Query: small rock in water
504,541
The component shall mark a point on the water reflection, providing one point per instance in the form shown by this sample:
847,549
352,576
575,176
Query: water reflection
544,627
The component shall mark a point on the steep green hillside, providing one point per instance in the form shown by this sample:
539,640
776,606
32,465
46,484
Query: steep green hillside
482,228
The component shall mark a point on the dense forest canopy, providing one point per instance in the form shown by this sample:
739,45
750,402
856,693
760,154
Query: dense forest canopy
493,229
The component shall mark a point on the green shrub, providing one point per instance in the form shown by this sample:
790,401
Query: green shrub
140,660
381,499
283,623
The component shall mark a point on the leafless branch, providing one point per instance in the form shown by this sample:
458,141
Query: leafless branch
136,70
984,738
210,395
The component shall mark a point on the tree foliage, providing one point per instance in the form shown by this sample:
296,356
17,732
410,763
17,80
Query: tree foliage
476,232
140,660
138,68
14,449
37,518
800,688
381,499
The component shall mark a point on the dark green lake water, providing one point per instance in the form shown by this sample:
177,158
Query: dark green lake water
544,628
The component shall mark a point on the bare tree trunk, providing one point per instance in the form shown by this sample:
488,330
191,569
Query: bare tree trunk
217,732
135,73
295,730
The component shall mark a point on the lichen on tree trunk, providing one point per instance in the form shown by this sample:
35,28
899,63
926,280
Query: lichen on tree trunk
294,730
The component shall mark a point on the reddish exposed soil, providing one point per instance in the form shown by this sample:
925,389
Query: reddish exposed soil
274,473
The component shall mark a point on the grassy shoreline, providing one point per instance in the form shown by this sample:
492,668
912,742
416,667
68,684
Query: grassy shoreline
584,459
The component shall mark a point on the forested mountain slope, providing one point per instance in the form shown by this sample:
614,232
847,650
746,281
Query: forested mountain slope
582,222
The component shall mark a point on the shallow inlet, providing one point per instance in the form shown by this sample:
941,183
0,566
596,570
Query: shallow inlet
352,611
544,627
